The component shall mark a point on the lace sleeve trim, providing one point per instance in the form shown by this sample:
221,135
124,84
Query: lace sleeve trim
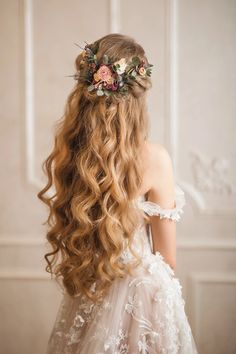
152,208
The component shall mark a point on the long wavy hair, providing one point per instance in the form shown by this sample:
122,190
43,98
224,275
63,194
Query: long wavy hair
95,169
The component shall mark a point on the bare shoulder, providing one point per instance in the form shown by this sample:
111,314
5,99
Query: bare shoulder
158,154
156,159
158,171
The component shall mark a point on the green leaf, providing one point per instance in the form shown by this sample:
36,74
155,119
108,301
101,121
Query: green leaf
116,67
91,88
136,61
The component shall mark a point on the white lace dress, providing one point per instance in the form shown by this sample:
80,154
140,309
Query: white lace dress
143,313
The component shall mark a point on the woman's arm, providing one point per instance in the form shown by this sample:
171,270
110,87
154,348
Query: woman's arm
162,192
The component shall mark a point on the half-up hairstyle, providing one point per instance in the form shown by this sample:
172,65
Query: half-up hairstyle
95,168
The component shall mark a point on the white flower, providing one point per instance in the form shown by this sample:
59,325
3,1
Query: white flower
124,349
122,334
122,67
132,304
153,267
78,321
111,341
143,345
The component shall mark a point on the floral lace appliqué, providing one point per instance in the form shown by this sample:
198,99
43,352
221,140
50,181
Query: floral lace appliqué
152,208
141,314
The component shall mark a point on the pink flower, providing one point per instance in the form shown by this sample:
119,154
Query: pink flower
93,66
114,86
103,74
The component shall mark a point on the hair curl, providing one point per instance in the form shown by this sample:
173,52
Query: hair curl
95,168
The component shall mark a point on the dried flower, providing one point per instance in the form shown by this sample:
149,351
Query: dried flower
142,71
106,77
104,74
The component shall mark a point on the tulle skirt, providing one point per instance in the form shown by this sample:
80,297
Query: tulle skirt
143,313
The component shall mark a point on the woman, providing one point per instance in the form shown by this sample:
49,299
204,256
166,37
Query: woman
112,220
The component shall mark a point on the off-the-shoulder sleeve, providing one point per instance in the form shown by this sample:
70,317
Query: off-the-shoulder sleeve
152,208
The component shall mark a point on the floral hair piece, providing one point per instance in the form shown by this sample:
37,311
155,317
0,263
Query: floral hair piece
106,77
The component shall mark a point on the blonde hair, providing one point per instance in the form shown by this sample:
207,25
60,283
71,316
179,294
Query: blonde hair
96,169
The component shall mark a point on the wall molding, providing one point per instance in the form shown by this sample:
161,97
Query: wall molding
206,244
115,16
227,244
12,274
29,110
196,281
212,173
201,207
29,94
172,126
15,241
172,75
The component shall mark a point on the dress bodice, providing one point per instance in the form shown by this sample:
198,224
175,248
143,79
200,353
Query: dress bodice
152,208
